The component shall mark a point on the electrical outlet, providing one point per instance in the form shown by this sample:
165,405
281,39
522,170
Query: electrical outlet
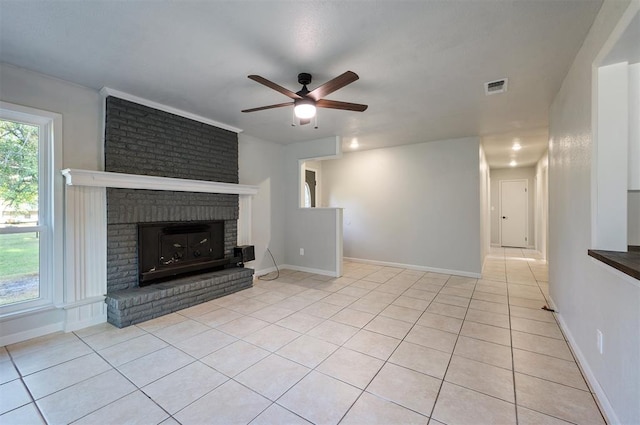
301,251
600,341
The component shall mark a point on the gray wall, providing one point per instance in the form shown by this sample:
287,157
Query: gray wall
589,295
528,173
417,205
261,164
316,230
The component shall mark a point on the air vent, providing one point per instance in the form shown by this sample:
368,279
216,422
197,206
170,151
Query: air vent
495,87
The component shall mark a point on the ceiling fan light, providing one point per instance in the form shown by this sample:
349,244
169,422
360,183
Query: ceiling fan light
305,109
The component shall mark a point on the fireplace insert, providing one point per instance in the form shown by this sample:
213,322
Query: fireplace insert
167,250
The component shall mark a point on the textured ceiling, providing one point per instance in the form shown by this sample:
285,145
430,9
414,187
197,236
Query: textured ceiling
422,64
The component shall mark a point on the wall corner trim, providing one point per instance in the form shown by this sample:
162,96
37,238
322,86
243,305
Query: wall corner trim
106,91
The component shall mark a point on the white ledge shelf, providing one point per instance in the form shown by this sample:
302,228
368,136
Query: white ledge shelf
75,177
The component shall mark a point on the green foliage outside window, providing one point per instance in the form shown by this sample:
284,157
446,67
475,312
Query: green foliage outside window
18,166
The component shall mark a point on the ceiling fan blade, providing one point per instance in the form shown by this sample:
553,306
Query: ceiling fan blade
274,86
335,104
333,85
304,121
262,108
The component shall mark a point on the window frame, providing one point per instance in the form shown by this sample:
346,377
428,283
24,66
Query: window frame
50,218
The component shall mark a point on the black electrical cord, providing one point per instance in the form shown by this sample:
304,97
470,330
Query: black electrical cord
277,269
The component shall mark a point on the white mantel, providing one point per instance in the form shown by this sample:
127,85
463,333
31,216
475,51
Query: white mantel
86,232
75,177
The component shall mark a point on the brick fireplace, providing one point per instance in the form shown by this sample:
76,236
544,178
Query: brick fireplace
140,140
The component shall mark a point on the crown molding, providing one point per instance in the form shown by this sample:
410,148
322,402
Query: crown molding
106,91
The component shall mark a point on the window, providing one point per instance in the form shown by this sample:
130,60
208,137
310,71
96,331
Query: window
27,198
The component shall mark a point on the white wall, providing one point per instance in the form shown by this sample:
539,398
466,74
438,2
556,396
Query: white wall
81,110
542,206
416,205
634,126
609,173
528,173
261,164
485,212
588,294
633,201
316,230
633,229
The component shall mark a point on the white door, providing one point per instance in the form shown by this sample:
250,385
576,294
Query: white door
513,213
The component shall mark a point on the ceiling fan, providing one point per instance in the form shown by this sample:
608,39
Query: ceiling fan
305,102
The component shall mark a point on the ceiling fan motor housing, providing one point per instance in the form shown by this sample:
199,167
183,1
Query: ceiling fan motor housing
304,78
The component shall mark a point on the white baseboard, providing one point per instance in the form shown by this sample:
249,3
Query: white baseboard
414,267
84,313
76,324
31,333
262,272
331,273
601,397
497,245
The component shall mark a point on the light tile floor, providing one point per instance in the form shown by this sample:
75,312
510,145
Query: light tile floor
379,345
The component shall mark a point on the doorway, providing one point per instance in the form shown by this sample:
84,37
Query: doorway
514,205
310,188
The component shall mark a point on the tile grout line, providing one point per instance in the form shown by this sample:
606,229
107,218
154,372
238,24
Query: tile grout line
342,308
24,384
513,361
314,369
435,401
387,360
124,376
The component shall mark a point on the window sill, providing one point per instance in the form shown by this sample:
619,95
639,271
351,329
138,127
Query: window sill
25,311
626,262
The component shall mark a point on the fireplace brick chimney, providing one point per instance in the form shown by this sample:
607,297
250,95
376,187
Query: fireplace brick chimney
143,140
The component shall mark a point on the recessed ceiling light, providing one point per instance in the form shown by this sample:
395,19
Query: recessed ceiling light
513,163
354,143
516,147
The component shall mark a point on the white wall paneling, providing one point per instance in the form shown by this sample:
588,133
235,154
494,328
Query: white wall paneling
85,283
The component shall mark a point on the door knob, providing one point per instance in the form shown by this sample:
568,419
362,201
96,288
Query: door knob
505,217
